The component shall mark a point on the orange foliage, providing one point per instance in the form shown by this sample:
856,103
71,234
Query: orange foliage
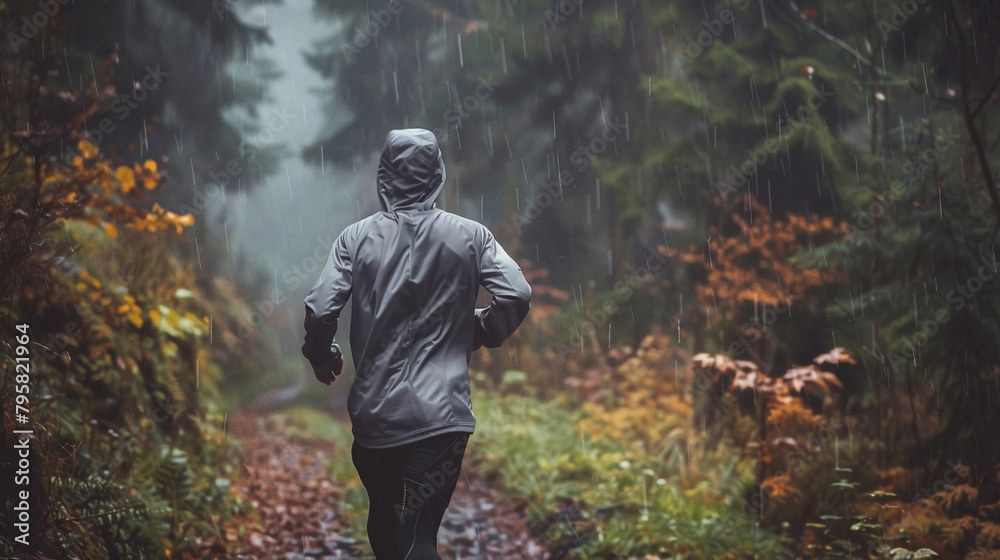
754,267
91,191
780,487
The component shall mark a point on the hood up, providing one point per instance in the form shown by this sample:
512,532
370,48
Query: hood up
411,171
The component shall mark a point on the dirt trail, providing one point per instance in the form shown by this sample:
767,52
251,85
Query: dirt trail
286,477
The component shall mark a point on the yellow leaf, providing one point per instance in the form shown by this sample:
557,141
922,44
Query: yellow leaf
155,315
150,166
127,178
87,149
136,319
87,277
111,229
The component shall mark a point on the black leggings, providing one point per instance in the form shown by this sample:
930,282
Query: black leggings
409,488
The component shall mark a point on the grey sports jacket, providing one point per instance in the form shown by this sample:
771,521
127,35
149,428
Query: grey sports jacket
414,272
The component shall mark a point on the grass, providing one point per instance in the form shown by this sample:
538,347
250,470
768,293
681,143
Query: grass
597,497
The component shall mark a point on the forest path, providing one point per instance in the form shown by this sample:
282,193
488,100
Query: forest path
297,500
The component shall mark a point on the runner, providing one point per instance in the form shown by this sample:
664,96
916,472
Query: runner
414,272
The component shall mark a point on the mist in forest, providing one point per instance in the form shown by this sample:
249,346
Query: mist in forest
760,236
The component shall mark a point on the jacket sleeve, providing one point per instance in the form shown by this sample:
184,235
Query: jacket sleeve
325,302
503,279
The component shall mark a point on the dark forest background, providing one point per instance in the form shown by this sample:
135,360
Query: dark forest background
760,235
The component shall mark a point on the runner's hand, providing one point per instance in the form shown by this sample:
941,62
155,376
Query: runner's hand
328,374
328,377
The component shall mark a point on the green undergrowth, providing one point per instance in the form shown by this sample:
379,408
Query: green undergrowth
596,497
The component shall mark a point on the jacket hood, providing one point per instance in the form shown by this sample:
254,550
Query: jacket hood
411,171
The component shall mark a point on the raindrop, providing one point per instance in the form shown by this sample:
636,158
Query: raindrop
503,55
92,71
197,250
677,169
395,85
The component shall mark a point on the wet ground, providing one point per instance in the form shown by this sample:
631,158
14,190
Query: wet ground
287,480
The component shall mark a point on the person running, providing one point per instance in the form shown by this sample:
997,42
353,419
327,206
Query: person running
412,272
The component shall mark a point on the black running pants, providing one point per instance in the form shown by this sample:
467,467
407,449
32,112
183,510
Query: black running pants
409,488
